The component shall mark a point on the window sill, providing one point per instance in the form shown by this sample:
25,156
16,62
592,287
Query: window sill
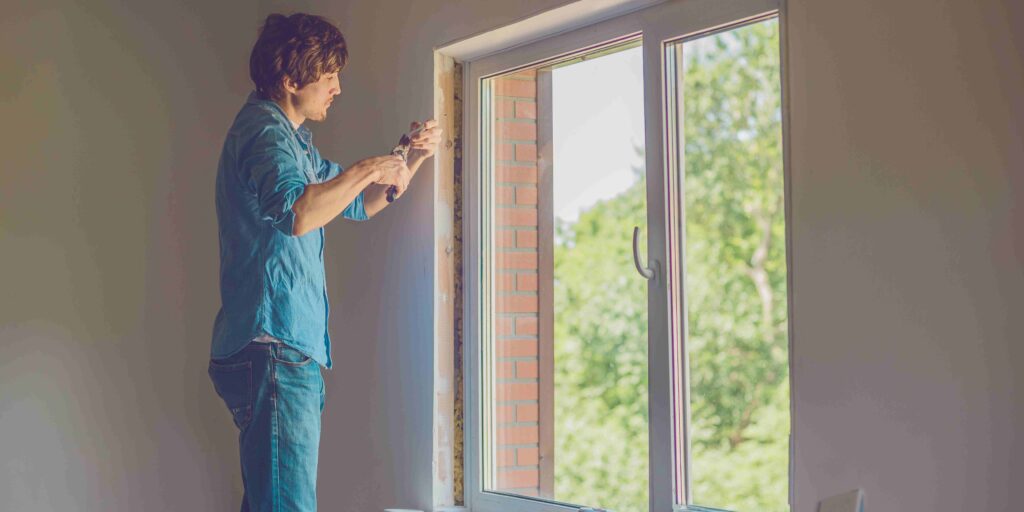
689,508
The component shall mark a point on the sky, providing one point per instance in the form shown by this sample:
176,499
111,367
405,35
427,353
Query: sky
598,122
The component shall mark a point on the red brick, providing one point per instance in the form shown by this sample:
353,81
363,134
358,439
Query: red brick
526,282
506,457
526,110
505,414
505,238
526,239
518,478
530,73
505,369
506,282
517,348
526,412
526,325
505,151
510,130
517,435
517,217
516,260
517,304
503,326
505,108
517,173
527,456
505,195
508,391
526,153
526,370
517,88
526,195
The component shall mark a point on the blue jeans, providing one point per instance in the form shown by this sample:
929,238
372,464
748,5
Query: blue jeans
276,396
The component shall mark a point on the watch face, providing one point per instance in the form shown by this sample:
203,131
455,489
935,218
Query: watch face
402,149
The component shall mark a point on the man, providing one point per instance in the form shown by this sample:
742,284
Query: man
274,194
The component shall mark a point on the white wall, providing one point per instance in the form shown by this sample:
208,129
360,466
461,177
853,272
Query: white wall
908,251
908,248
113,114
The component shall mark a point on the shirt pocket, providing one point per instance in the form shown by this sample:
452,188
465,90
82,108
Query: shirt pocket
308,162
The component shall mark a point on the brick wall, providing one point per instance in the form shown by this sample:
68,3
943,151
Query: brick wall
517,390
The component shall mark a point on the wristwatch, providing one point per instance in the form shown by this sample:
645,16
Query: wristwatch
402,150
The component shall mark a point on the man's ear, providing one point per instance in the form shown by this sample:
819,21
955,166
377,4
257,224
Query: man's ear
288,84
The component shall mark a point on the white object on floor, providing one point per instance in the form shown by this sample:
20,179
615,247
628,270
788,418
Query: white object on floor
852,501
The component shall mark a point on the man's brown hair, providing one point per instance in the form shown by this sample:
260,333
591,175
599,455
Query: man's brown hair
301,47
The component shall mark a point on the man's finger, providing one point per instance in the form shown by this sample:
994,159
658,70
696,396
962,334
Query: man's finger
430,136
430,139
426,132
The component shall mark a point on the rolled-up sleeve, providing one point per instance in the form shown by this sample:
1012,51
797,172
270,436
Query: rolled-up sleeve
355,210
274,175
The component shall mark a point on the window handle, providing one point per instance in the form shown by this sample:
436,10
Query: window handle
646,272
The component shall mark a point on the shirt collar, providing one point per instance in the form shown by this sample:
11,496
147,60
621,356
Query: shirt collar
254,99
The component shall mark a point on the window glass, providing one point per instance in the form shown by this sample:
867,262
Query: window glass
566,413
726,89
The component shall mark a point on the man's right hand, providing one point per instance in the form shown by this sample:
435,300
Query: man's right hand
388,170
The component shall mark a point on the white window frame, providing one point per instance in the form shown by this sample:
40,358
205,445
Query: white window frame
659,25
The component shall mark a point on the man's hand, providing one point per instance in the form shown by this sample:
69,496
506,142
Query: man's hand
422,146
388,170
425,143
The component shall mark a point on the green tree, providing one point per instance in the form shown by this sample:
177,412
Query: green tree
736,270
601,358
735,296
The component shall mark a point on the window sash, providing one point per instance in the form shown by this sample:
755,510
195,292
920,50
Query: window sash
658,26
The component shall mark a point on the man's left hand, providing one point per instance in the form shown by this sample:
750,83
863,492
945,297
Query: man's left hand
426,141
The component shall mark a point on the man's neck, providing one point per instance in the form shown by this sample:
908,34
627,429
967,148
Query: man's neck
293,115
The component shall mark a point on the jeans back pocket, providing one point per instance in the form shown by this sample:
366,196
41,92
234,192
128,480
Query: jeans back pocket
233,383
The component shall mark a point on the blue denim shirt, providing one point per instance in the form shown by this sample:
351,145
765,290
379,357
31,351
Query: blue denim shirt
270,280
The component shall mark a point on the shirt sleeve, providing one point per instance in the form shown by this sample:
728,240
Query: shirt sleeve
355,210
273,173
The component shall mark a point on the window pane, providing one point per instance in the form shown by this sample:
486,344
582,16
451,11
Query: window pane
727,95
568,357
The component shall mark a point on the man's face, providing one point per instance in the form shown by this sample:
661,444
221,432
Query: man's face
314,99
